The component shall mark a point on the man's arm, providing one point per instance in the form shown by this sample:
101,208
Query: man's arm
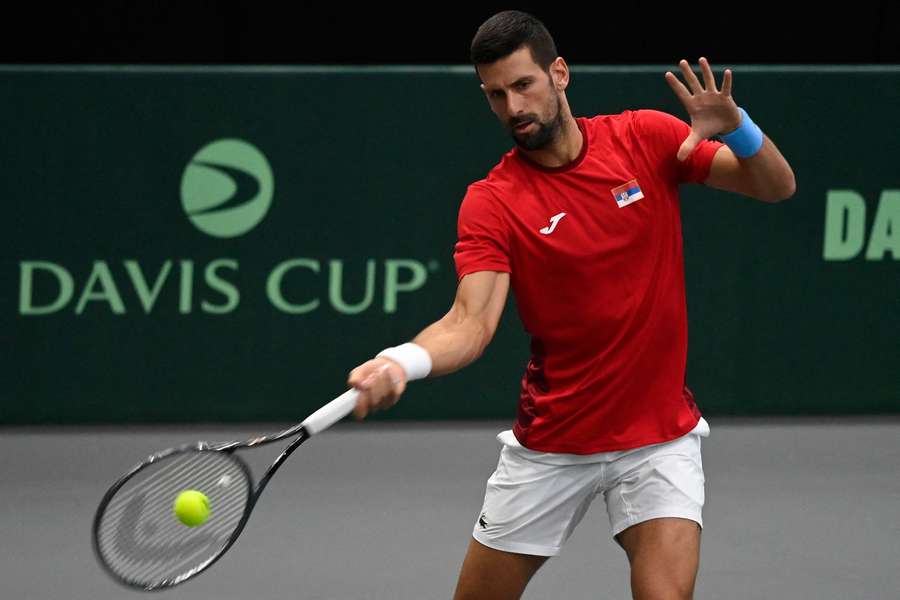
762,173
765,176
453,342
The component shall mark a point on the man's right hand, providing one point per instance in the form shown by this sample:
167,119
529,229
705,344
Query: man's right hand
380,382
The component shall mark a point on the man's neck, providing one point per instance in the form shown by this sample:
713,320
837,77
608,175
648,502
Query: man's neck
563,150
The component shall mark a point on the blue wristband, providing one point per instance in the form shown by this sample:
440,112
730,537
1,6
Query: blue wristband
746,140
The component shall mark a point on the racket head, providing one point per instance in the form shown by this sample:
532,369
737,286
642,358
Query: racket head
138,539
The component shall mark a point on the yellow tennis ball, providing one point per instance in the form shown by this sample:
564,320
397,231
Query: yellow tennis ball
192,508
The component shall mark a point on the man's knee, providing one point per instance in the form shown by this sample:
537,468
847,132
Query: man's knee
658,578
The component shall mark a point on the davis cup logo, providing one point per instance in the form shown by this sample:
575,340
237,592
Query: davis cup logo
226,189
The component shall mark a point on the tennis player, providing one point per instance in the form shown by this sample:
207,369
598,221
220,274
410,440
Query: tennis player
581,219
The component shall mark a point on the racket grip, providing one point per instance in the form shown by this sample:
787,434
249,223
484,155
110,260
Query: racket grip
331,413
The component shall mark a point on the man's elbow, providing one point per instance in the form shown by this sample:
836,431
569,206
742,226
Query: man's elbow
485,335
781,193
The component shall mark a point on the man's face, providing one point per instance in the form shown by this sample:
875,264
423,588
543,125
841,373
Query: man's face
524,98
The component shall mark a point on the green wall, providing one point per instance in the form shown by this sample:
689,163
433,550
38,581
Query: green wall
129,296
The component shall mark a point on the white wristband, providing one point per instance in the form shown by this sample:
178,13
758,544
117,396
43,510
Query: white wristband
414,359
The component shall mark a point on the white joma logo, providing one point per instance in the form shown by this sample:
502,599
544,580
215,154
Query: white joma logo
553,221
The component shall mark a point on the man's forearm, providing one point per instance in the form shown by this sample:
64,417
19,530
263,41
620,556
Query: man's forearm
768,174
453,343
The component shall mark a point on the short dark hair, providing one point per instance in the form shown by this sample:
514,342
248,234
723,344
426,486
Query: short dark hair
506,32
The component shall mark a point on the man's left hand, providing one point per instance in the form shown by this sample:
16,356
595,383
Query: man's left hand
713,112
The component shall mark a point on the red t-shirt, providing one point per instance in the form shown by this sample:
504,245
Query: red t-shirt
594,253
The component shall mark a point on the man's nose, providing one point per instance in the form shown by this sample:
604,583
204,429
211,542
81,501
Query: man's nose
515,105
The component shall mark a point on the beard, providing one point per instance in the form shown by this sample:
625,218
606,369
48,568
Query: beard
545,132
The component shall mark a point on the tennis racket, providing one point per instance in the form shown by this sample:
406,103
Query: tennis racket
137,537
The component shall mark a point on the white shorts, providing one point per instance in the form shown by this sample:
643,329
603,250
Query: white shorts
534,500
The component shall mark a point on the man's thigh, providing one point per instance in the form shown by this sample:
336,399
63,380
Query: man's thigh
661,481
532,508
489,574
664,555
655,502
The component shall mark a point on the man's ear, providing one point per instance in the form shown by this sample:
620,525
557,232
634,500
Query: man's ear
559,74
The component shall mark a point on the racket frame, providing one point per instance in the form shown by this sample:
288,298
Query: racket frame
253,494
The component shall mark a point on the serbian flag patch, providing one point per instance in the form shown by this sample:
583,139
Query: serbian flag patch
628,193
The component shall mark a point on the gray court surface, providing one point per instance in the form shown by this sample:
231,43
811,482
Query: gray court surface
796,509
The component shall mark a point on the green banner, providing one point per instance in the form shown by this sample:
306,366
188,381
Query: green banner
216,244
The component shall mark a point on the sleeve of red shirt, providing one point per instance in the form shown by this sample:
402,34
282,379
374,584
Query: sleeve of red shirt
663,134
482,235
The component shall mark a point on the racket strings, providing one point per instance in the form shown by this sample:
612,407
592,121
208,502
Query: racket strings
140,538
